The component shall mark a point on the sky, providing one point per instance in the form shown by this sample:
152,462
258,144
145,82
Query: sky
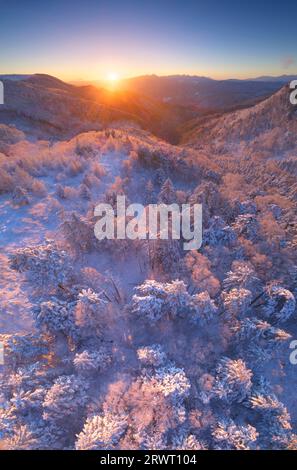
93,39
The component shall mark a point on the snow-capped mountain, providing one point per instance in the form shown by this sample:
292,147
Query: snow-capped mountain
269,127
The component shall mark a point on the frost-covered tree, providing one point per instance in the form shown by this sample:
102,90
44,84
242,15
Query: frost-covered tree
172,382
201,274
207,194
280,305
25,348
102,432
274,426
49,435
89,362
155,300
242,275
229,436
236,302
8,420
153,355
26,377
203,309
178,300
233,380
56,316
46,265
258,340
246,225
187,442
88,312
219,233
78,233
167,193
65,399
292,445
21,439
154,440
24,402
149,301
251,328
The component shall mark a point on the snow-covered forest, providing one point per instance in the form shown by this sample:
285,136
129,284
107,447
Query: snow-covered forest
138,344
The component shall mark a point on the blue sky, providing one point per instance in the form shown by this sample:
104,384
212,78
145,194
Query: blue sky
90,39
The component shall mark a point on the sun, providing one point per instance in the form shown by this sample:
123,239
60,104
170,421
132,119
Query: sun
112,76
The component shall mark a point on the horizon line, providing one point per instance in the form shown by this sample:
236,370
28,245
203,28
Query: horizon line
93,80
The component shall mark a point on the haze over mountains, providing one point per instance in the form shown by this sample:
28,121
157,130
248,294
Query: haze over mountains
162,105
203,92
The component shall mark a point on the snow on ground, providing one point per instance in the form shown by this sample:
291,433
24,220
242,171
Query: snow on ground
171,373
31,224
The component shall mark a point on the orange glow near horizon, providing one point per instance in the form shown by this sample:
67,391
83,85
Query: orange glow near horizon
112,81
113,77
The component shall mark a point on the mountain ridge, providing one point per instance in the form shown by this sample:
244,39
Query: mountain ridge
270,127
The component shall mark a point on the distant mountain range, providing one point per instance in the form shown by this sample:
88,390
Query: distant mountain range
280,79
169,107
204,92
